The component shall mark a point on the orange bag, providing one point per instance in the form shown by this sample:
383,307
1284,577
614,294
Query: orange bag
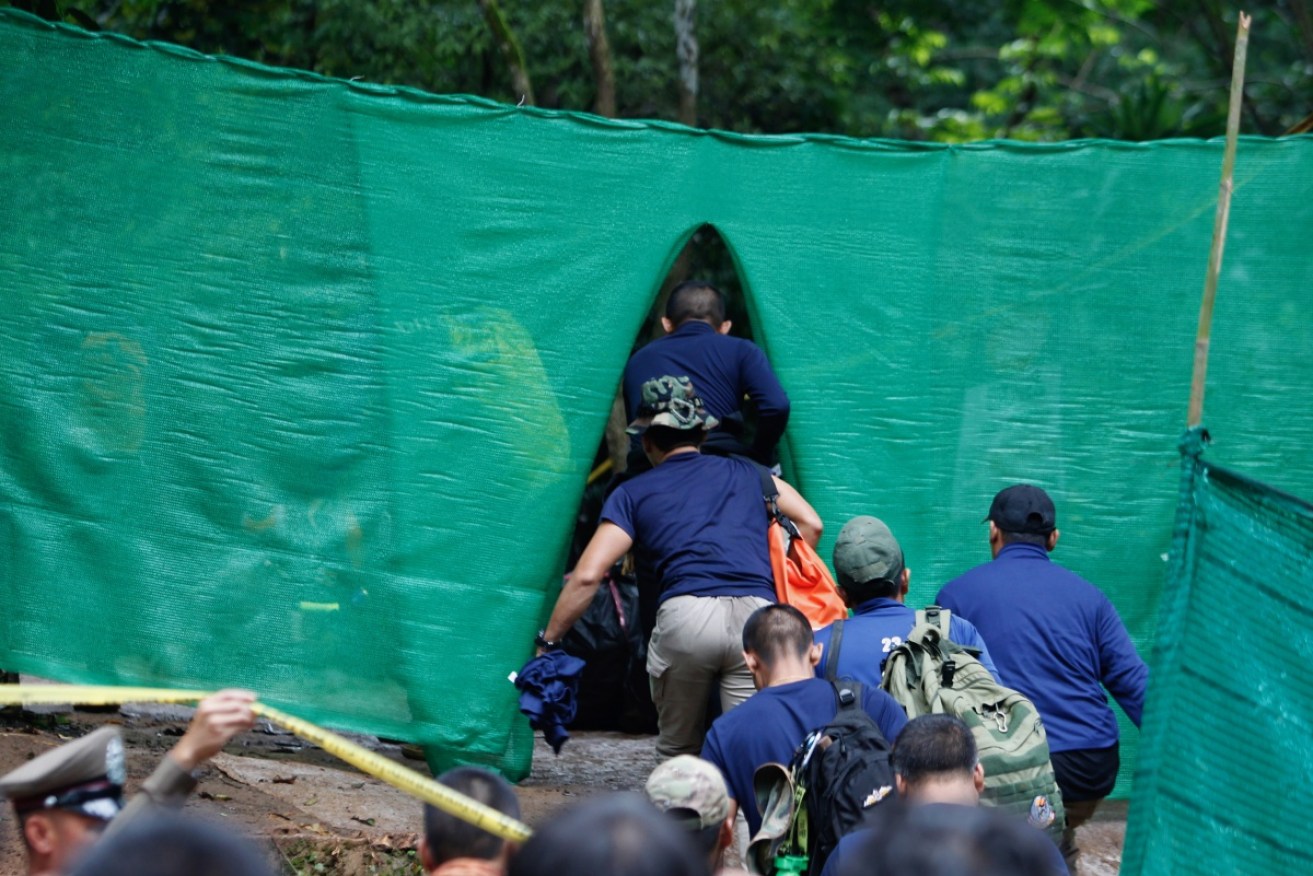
801,576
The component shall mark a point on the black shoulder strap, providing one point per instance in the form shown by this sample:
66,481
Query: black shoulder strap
832,651
768,489
849,693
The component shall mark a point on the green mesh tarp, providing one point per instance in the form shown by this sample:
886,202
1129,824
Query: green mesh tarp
1227,748
301,379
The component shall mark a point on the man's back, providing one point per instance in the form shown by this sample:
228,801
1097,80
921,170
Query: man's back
770,725
1056,638
702,521
878,626
722,368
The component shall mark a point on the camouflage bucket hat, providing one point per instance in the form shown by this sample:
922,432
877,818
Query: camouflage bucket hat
772,785
672,402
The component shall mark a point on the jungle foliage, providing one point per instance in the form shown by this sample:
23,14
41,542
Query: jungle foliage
950,70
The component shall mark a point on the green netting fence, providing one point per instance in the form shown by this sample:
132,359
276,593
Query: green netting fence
301,379
1226,752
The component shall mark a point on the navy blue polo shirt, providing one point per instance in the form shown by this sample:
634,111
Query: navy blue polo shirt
851,845
773,722
1056,638
877,627
701,522
723,369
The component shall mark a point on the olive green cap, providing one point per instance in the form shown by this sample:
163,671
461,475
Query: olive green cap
866,551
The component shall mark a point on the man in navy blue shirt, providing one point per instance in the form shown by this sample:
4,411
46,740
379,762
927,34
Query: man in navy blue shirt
1058,640
724,369
700,521
935,763
873,581
790,703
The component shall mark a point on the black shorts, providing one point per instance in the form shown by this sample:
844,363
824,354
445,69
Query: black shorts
1086,773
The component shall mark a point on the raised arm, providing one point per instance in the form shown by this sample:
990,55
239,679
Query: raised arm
800,512
218,719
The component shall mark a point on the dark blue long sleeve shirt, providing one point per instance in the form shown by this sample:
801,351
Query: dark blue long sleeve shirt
723,369
1056,638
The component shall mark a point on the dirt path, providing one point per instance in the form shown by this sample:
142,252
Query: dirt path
322,816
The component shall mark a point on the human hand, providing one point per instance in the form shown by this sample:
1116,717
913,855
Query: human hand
218,719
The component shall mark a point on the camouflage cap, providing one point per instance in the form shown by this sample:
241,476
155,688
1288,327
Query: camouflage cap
690,783
672,402
85,776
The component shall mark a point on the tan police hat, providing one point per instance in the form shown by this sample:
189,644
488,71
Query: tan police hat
84,776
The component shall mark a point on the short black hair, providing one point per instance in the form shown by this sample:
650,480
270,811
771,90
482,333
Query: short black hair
775,630
948,841
933,745
169,843
885,588
667,438
450,837
695,300
616,835
1035,538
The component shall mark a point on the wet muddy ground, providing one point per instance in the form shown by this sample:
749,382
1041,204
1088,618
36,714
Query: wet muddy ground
321,816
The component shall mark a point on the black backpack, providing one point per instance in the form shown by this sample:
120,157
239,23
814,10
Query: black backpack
837,774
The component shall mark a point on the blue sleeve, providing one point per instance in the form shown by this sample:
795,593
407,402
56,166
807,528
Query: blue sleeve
1121,670
711,754
619,509
846,846
763,387
885,711
964,633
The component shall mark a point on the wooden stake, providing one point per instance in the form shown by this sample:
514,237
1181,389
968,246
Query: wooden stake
1204,335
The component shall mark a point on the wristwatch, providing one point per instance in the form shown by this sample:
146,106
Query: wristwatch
541,641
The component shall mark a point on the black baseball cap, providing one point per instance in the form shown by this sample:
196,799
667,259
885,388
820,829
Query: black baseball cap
1023,508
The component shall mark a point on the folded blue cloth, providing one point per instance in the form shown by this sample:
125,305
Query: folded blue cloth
549,694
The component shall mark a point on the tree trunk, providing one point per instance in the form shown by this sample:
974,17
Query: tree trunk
686,48
599,50
510,50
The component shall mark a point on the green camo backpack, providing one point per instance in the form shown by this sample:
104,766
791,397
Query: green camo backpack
931,674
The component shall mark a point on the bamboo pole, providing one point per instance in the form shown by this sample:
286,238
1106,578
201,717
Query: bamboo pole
1204,336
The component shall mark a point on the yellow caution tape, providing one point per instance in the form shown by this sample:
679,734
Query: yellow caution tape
319,606
407,780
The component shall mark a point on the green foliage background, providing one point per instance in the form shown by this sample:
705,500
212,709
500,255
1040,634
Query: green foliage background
947,71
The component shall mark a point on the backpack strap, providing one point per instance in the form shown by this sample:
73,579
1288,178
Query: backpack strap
832,651
769,491
936,616
940,618
770,495
849,694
